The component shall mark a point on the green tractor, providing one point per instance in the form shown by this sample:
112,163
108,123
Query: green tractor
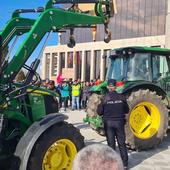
33,136
143,76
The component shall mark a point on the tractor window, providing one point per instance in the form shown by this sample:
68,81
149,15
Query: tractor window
159,67
138,67
130,68
117,68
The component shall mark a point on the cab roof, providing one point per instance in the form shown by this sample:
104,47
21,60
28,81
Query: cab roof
142,49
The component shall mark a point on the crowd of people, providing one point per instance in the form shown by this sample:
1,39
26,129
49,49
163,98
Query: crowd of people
113,109
74,94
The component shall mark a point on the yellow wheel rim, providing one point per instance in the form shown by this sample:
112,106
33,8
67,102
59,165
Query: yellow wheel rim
144,120
59,155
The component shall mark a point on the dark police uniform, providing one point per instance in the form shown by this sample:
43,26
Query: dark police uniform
113,109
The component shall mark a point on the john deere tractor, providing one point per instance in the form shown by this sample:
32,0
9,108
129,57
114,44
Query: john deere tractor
33,136
143,76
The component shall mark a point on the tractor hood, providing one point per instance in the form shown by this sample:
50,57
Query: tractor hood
120,86
38,90
98,88
130,86
125,87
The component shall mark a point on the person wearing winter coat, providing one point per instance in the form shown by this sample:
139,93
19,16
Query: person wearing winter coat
65,94
113,109
85,94
76,91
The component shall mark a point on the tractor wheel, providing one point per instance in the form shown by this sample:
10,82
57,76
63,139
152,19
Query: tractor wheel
147,121
56,148
91,110
94,101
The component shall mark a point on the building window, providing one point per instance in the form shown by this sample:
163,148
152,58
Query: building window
107,59
47,70
79,63
54,64
97,55
87,59
62,56
70,59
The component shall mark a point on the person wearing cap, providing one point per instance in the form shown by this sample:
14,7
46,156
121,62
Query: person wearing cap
75,95
113,108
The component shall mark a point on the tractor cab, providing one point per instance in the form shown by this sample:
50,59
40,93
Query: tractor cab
143,77
140,64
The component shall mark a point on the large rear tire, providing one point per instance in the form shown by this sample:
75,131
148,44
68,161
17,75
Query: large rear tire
56,148
147,121
94,101
91,110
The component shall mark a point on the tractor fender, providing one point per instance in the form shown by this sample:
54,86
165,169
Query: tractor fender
145,85
26,143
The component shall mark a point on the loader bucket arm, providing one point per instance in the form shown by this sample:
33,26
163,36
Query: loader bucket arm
51,19
16,26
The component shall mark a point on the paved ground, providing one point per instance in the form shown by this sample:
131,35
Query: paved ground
155,159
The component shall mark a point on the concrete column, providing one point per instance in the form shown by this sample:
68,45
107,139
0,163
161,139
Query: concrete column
59,64
92,63
167,29
66,60
102,66
50,66
59,38
75,65
83,66
43,67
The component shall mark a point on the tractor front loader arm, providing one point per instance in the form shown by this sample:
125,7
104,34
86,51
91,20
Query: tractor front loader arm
50,19
16,26
22,104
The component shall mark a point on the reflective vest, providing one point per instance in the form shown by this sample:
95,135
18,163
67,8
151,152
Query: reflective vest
76,90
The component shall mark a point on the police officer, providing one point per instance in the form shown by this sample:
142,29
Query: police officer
113,108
